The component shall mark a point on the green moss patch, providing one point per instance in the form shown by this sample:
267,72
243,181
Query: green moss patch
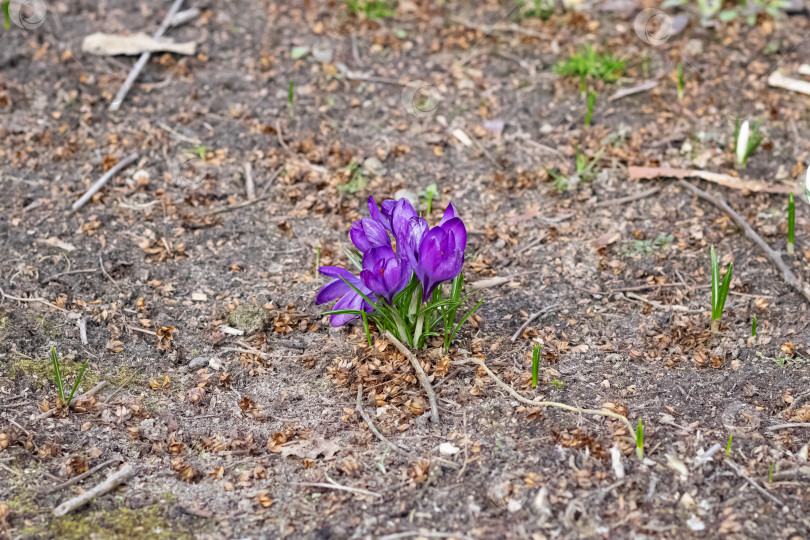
248,318
144,523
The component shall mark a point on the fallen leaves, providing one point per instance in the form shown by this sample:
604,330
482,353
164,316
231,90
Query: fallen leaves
165,336
311,449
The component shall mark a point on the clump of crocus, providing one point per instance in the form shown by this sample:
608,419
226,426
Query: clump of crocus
403,264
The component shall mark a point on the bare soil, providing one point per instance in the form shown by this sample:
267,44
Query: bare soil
230,444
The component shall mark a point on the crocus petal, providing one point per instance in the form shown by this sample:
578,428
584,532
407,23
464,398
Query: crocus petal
387,208
336,272
449,213
456,227
410,239
332,290
358,237
367,233
376,215
401,216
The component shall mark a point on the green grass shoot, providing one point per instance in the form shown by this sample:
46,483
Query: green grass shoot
728,445
589,63
754,327
291,99
536,363
429,192
640,440
719,291
57,372
6,15
791,224
680,82
591,101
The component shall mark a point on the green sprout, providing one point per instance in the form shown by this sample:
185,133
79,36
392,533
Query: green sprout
640,440
589,63
746,140
586,166
6,15
374,10
558,384
791,224
57,372
719,291
536,363
358,180
198,150
680,82
291,99
591,101
754,327
429,192
540,9
728,445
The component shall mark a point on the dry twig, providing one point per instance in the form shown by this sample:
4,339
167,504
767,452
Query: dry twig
534,403
373,429
139,65
788,276
82,476
103,180
532,317
736,468
420,373
108,485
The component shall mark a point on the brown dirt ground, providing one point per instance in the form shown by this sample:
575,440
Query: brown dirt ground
229,445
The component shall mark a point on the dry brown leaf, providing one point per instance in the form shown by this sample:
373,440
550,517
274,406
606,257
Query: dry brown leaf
311,449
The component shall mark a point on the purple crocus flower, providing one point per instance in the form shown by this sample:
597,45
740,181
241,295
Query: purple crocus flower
368,233
437,254
338,288
385,272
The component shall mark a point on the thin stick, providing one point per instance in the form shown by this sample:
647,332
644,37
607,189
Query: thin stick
420,373
629,198
108,485
339,487
736,468
143,330
103,180
104,270
250,187
532,317
534,403
139,65
637,173
82,476
36,299
57,276
373,429
9,469
788,276
785,426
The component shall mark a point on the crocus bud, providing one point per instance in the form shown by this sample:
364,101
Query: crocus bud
368,233
742,143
